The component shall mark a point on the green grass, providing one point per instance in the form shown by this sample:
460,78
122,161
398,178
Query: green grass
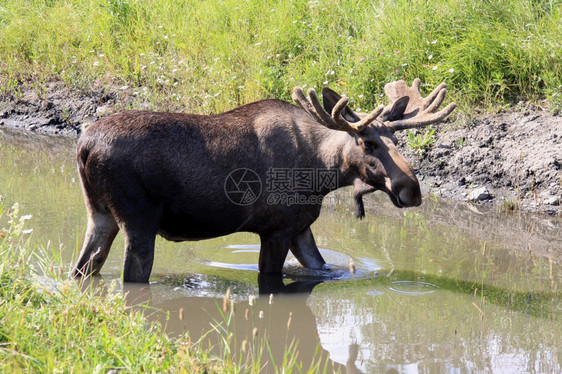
206,56
421,142
50,324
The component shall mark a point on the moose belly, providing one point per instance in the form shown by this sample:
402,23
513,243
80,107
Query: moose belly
183,228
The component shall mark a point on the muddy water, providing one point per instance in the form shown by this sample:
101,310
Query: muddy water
440,288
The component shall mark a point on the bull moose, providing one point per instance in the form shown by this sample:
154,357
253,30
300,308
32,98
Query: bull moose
150,173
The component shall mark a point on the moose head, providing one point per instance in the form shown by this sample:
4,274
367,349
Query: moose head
380,165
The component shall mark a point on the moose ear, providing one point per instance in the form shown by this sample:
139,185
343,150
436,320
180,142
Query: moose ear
397,110
331,98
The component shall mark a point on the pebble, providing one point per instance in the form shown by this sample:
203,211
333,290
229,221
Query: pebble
479,194
551,200
103,111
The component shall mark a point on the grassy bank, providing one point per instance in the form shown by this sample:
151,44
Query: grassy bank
206,56
49,324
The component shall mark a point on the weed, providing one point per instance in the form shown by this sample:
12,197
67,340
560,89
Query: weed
511,205
421,143
40,90
460,142
65,114
555,99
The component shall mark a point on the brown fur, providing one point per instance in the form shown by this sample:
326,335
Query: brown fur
149,173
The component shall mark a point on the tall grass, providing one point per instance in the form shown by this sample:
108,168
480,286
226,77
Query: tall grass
50,324
210,55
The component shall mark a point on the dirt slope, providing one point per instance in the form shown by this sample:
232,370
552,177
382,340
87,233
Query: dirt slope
512,159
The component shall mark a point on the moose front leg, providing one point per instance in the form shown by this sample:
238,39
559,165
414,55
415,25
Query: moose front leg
305,250
139,256
273,252
139,229
360,188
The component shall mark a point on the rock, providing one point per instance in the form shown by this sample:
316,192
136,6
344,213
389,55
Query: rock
479,194
46,105
551,200
103,111
487,142
532,118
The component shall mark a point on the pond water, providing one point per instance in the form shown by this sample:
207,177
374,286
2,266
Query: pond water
440,288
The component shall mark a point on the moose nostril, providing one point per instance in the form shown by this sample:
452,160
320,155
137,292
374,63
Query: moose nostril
410,197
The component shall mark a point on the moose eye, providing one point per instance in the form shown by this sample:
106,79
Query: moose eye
370,146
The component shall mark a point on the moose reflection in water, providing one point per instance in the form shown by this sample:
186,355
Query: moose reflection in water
149,173
280,313
377,324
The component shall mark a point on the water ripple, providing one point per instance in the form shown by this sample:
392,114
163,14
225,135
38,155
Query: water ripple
414,288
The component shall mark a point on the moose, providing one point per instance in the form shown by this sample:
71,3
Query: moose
149,173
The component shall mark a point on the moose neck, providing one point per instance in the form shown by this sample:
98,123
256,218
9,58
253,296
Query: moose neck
339,150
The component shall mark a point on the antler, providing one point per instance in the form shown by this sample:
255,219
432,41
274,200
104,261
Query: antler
334,121
420,111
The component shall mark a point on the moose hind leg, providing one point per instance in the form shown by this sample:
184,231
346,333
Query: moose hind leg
100,234
305,250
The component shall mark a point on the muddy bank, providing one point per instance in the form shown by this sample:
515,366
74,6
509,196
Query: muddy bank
56,109
511,159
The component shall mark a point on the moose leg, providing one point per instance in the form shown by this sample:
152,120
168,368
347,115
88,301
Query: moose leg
274,249
305,250
139,252
100,234
139,221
